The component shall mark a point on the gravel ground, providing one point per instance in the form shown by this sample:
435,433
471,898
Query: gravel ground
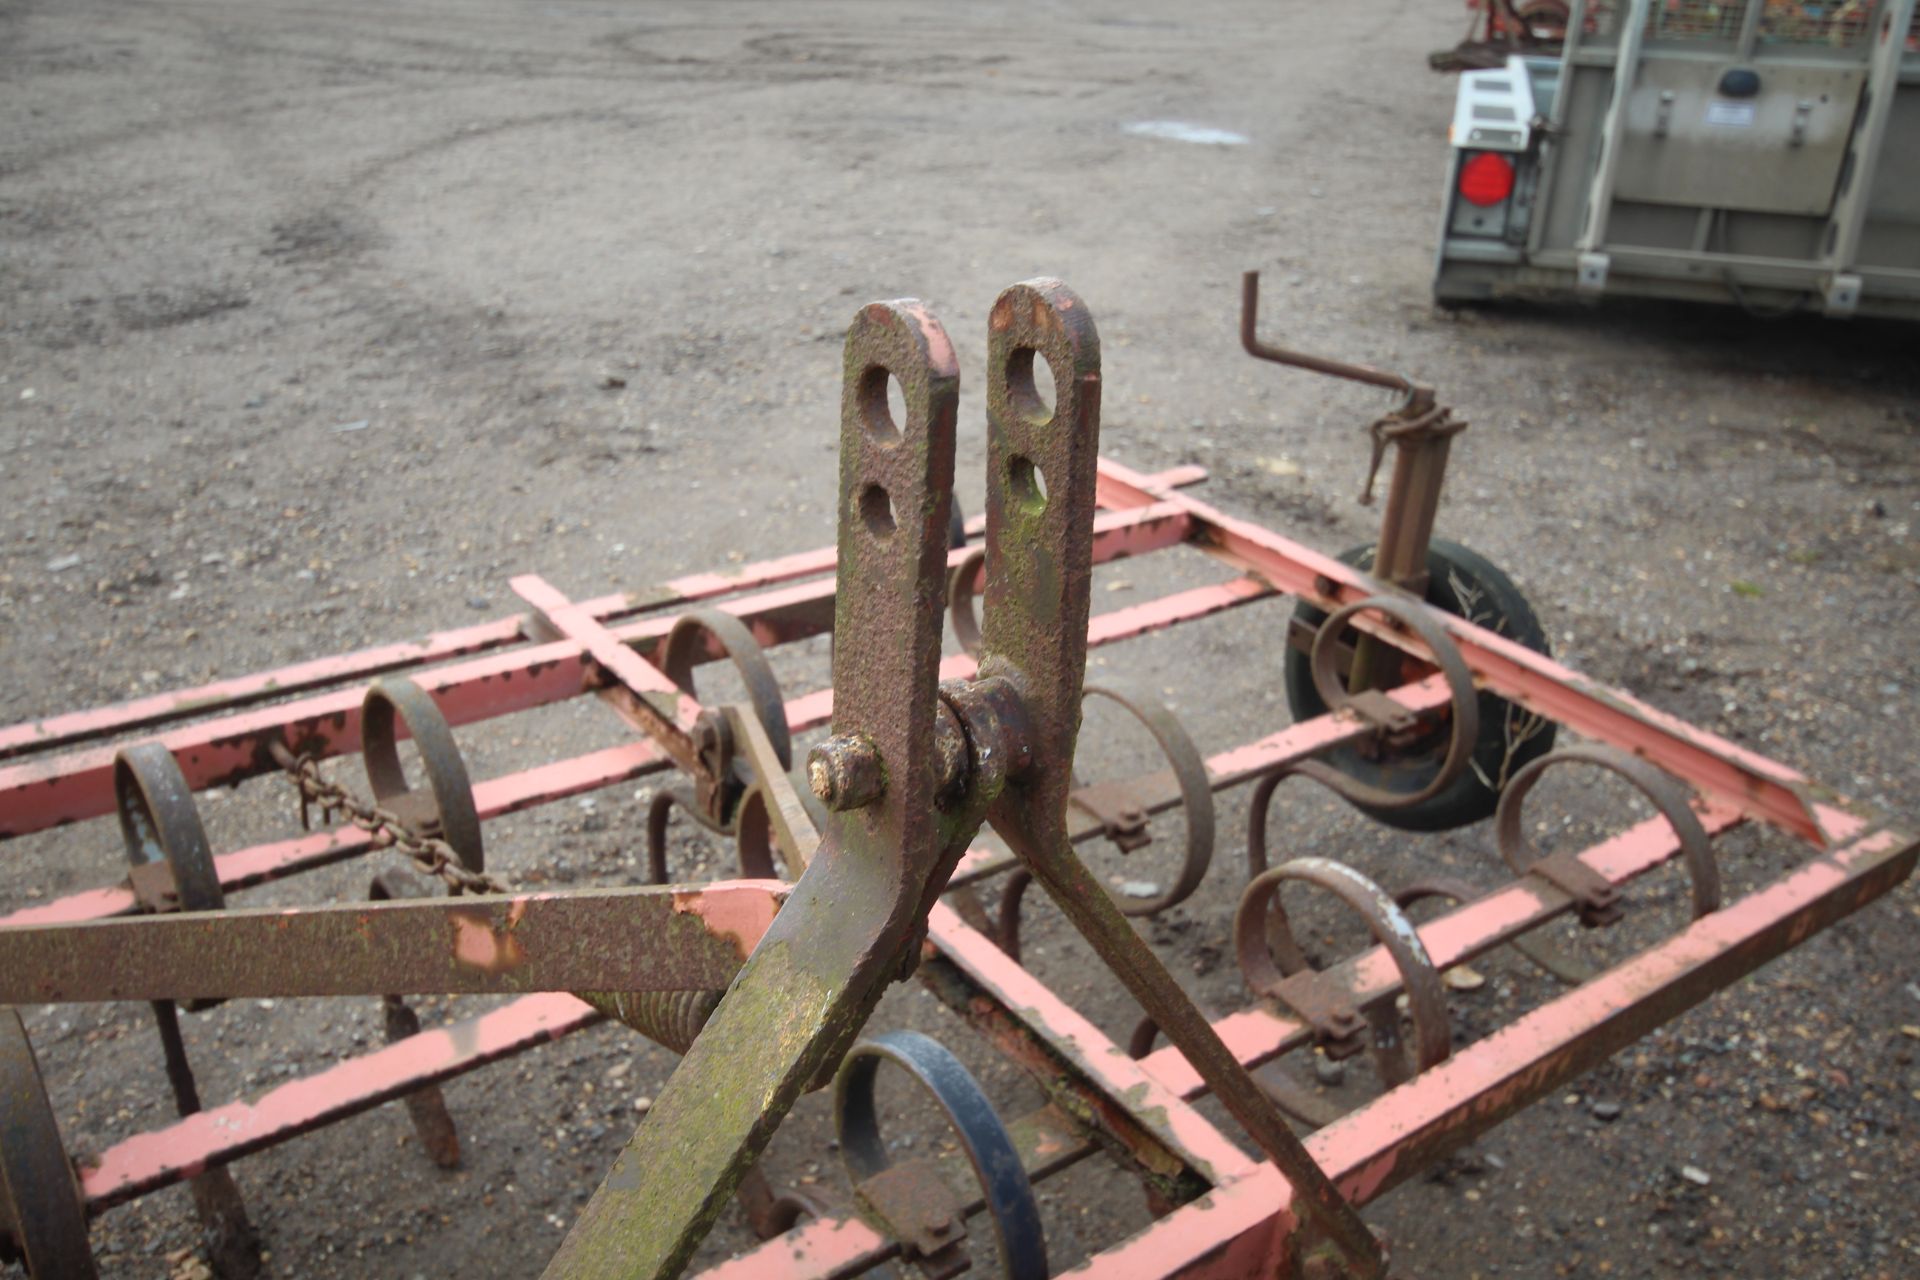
323,321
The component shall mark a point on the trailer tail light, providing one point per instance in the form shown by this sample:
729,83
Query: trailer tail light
1486,178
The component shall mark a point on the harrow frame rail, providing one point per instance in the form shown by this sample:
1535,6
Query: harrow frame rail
625,950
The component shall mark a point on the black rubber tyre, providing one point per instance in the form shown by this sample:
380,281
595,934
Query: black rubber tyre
1465,584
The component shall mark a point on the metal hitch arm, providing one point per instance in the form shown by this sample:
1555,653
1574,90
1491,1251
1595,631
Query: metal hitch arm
803,995
1039,574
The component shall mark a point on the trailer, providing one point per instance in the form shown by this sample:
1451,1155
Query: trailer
1761,153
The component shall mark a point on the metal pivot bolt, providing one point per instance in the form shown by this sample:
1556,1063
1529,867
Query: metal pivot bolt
845,772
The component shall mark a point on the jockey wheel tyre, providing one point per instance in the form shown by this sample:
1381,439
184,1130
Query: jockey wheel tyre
1465,584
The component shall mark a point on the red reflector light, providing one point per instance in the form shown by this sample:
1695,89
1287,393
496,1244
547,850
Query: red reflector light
1486,178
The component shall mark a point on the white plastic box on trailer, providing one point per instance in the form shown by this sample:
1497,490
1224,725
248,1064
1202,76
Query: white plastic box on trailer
1764,153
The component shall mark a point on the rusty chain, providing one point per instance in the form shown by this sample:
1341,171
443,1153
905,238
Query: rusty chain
429,853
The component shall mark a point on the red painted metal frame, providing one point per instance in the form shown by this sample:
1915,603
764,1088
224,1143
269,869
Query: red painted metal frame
38,793
149,1161
1241,1227
1236,1230
53,732
1771,792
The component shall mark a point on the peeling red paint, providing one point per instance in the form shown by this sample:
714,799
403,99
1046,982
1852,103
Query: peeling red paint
480,944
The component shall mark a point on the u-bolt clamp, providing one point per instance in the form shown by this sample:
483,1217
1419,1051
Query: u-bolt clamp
1599,898
1275,967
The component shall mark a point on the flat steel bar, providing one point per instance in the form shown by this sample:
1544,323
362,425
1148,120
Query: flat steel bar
651,938
1033,628
1769,791
639,691
225,695
44,792
148,1161
41,793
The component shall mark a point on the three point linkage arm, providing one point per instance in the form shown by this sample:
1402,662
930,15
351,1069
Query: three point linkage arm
914,767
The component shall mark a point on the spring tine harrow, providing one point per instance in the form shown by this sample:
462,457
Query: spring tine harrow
861,866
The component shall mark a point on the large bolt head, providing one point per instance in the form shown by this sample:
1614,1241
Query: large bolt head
845,772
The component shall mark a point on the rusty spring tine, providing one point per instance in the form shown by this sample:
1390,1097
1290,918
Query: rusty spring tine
659,810
1465,707
1039,586
397,698
1196,793
996,1165
1257,805
802,996
1006,922
166,843
779,818
695,634
426,1106
41,1211
172,863
1538,950
1667,795
754,841
1262,916
961,584
172,869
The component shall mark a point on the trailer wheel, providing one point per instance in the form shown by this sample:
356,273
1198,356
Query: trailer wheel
1465,584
